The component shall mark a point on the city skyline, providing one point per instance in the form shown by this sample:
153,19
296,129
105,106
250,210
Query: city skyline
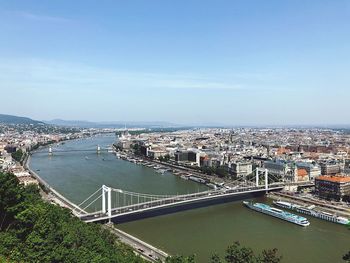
230,63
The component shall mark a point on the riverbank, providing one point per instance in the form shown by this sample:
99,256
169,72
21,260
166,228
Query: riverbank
177,170
140,247
201,231
147,251
307,202
52,195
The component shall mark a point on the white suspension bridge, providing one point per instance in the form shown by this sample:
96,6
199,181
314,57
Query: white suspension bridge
118,204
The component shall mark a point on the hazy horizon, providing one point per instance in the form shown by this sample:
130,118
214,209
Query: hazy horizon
166,123
185,62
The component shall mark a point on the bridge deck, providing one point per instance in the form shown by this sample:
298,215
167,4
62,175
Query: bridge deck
173,201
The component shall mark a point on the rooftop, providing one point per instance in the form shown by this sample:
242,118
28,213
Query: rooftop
335,179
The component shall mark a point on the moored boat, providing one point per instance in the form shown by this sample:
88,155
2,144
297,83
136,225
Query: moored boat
278,213
310,210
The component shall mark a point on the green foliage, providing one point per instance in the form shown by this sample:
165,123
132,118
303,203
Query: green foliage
136,148
215,259
346,257
18,155
164,158
270,256
235,253
219,171
208,170
180,259
32,230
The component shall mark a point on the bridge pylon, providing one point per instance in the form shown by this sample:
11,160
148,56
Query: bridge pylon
266,177
107,206
50,151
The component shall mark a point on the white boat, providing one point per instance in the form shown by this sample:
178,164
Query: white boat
313,212
278,213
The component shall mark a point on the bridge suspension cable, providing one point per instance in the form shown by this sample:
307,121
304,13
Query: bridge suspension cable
99,189
117,201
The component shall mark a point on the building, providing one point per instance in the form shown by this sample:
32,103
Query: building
332,187
282,169
302,175
144,149
181,156
123,144
330,168
11,148
276,167
313,170
241,169
155,153
187,156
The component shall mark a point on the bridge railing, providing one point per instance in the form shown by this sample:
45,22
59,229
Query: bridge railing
172,200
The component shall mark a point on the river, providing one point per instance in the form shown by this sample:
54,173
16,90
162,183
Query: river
203,231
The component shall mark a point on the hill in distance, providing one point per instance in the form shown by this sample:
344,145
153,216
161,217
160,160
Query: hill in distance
111,124
11,119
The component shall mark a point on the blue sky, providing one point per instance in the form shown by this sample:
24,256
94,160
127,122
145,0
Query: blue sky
231,62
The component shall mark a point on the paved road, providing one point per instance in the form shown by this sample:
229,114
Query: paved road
140,247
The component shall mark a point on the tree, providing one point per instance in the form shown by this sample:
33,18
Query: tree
11,198
346,257
136,148
270,256
33,230
237,254
221,171
180,259
167,157
164,158
215,258
208,170
18,155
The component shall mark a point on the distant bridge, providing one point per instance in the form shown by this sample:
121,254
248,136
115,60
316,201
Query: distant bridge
120,205
98,149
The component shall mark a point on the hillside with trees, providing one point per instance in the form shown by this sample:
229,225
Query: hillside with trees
11,119
32,230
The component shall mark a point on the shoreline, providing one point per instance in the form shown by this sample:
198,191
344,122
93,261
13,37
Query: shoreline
304,201
148,252
58,198
179,171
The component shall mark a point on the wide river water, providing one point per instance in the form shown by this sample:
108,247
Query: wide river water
77,173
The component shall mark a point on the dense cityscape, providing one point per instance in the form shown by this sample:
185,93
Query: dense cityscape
312,164
174,131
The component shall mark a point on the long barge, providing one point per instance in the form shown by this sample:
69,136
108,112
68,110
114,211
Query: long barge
278,213
311,211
